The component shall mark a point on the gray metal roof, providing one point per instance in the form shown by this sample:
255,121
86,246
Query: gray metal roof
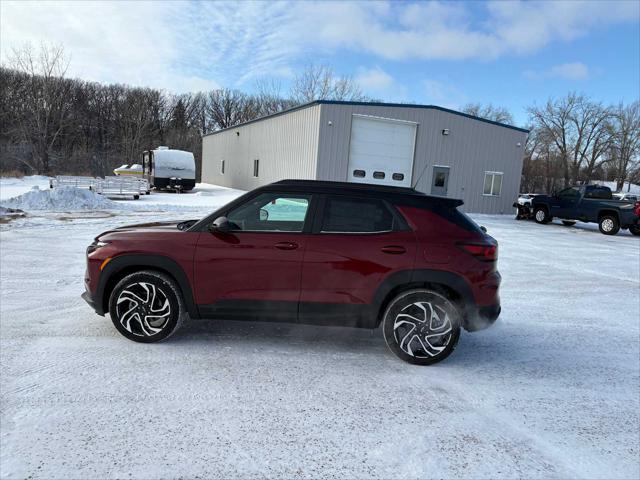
371,104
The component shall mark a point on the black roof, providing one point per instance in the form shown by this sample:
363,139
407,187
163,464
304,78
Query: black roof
368,189
370,104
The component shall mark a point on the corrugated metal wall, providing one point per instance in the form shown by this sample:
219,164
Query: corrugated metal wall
471,148
286,145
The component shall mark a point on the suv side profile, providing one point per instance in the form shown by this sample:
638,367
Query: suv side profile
310,252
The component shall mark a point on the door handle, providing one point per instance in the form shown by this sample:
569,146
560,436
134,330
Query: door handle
394,249
286,245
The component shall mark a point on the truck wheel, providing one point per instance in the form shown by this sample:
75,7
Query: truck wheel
635,230
609,224
147,306
421,326
568,223
541,215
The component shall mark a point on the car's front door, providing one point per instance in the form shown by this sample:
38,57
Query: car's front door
356,243
253,271
564,204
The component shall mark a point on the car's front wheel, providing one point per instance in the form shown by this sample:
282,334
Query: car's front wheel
421,326
541,215
147,306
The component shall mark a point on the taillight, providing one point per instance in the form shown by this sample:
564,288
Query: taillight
636,208
483,252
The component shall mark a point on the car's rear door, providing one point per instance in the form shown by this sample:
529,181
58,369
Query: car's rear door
254,270
356,243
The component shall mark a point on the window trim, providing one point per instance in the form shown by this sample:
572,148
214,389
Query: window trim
308,219
493,179
399,222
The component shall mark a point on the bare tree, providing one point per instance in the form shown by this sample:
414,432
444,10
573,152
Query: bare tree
44,110
625,141
318,82
496,114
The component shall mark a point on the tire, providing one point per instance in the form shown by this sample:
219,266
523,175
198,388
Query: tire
541,215
133,297
635,230
414,309
609,224
568,223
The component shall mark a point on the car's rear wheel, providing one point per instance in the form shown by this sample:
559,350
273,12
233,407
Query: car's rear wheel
634,229
147,306
541,215
421,326
609,224
568,223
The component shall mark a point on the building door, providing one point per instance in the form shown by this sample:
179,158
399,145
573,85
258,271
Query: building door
440,181
381,151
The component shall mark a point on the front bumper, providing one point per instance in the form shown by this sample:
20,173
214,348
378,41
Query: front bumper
86,296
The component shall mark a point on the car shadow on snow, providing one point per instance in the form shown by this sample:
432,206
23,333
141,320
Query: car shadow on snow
492,346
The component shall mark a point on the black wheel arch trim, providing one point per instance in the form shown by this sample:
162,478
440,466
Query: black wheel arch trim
424,276
159,262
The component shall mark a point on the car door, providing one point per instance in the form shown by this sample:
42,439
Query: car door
564,204
356,243
253,271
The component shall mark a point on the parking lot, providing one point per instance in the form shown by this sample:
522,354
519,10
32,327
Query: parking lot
552,390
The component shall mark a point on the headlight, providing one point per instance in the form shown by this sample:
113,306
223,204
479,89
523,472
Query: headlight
95,246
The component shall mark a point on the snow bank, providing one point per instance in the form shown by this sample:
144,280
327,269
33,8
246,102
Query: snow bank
60,199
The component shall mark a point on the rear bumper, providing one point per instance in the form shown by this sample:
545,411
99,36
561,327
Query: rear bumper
482,318
86,296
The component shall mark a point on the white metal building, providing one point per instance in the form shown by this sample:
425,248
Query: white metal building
436,150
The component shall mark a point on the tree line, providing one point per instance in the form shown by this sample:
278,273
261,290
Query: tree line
51,124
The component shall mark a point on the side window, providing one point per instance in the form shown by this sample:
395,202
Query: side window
271,212
492,183
356,215
570,192
256,167
222,167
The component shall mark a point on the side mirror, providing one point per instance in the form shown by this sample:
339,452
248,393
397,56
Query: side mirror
483,228
264,215
220,225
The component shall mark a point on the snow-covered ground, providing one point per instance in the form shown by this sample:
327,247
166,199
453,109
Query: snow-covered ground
551,391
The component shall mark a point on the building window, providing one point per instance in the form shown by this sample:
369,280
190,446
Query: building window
222,167
256,167
492,183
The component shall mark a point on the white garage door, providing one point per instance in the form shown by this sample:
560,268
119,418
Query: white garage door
381,151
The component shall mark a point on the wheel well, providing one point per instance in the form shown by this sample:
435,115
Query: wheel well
120,274
441,288
602,213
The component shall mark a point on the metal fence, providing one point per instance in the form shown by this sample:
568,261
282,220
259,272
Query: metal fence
111,187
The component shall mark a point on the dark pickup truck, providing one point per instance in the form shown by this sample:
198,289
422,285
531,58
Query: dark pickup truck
589,203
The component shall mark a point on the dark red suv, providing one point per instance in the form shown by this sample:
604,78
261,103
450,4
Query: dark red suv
323,253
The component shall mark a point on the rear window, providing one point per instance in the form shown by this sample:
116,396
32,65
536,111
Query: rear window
455,216
356,215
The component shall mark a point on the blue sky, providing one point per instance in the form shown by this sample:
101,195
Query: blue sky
511,54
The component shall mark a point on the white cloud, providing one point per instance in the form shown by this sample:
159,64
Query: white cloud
443,94
187,45
377,83
566,71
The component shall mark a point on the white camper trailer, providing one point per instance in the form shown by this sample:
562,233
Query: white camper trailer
167,169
